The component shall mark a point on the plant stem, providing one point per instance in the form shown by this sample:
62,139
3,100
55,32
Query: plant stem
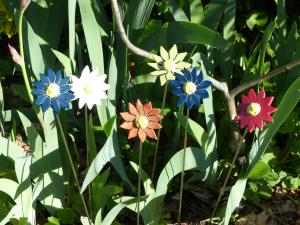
228,175
86,123
72,167
183,166
139,182
23,67
158,133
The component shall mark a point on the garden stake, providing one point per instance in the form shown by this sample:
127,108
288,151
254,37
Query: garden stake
183,165
86,123
72,167
227,176
139,182
158,133
175,141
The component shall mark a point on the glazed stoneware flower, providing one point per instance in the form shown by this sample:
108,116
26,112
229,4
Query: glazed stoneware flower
168,63
255,110
89,88
190,88
141,120
52,91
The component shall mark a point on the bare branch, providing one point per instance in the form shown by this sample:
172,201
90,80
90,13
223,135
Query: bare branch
123,35
271,74
222,86
217,84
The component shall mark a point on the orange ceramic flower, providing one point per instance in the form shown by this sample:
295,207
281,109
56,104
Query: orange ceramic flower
255,109
141,120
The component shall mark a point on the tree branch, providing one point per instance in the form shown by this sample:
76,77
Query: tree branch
222,86
269,75
123,35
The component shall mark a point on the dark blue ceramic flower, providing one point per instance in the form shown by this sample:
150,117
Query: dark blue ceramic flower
52,91
190,87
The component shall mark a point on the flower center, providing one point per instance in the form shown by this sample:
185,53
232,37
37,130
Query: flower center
170,65
189,87
53,90
88,89
253,109
141,122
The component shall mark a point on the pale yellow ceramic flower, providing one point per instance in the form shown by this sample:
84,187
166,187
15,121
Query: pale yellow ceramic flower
168,63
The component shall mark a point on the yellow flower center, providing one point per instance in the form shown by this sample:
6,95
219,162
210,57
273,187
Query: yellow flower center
53,90
141,122
169,65
253,109
189,87
88,89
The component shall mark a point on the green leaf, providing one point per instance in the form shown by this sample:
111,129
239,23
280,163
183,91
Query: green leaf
263,48
235,196
110,152
64,60
197,12
295,183
91,138
22,168
53,221
49,28
49,168
108,109
259,19
32,50
85,221
20,90
110,217
177,12
148,186
9,187
71,26
195,130
12,213
190,33
194,160
229,19
10,149
214,13
285,50
19,221
66,216
108,126
138,13
34,139
260,169
92,34
211,148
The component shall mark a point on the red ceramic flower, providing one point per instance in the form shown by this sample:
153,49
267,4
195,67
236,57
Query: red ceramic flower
141,120
254,110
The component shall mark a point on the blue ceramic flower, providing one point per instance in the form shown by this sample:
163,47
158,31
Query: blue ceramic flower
190,87
52,91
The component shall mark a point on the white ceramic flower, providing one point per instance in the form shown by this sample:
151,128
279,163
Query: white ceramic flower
89,88
168,63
